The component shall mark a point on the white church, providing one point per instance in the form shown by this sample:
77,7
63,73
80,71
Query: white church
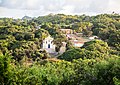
49,46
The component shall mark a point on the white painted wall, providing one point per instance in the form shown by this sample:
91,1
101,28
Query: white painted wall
78,44
93,37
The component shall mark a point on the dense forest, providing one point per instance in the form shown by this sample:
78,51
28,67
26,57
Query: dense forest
97,62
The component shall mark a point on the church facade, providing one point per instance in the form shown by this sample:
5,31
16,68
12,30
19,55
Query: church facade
48,45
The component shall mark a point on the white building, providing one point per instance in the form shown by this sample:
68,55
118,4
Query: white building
93,37
77,43
48,45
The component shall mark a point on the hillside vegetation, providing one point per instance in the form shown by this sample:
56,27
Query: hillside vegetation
97,62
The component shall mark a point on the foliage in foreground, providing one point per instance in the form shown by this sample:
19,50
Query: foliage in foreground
97,71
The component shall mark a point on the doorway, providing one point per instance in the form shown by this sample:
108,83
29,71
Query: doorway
48,45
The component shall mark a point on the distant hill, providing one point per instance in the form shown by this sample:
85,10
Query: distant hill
27,17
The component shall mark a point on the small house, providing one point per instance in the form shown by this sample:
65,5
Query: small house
77,43
66,31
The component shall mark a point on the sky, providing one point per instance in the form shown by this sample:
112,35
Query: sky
35,8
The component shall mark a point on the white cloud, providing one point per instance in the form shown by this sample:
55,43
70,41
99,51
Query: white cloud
114,5
68,9
18,8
